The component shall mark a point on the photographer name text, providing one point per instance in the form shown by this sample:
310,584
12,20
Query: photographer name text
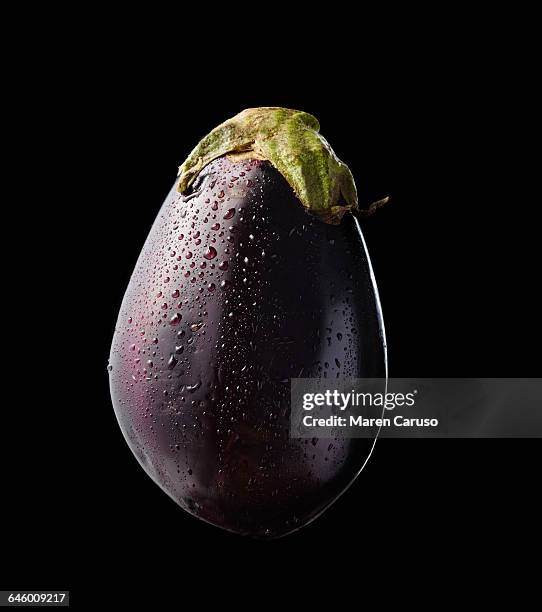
343,401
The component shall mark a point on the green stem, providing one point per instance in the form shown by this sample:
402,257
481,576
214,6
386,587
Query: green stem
289,139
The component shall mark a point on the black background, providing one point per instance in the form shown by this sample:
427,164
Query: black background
455,257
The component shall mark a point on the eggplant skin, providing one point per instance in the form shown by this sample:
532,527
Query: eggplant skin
237,290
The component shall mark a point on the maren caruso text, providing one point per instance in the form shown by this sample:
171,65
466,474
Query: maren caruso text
359,421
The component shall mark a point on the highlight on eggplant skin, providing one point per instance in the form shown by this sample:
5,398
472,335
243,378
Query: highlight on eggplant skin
238,289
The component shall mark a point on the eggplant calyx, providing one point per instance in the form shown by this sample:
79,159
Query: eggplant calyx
290,141
363,213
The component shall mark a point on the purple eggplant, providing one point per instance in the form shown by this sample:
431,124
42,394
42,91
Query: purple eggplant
255,272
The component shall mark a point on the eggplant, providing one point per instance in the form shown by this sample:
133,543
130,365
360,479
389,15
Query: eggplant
255,272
